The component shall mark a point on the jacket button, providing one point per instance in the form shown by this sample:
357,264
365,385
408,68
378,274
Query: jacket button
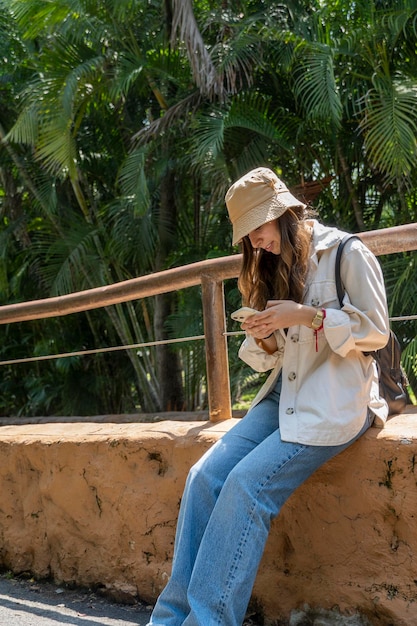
315,302
292,376
289,411
294,338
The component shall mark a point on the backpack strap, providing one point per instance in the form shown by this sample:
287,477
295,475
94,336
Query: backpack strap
339,287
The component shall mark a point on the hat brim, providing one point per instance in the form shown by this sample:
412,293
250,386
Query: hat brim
265,212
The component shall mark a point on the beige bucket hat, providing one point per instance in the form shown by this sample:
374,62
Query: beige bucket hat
256,198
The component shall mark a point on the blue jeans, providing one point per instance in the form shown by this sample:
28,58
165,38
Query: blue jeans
231,495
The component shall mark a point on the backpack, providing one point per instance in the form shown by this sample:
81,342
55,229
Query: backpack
393,380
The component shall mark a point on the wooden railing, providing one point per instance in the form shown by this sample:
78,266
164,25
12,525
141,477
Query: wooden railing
210,274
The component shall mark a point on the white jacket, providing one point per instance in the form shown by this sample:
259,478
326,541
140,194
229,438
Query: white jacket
326,391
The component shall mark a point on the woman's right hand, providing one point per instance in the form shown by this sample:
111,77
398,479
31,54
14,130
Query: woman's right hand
278,314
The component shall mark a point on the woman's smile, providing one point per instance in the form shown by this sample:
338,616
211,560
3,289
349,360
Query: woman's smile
267,237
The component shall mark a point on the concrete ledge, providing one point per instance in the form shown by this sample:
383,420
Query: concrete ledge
96,504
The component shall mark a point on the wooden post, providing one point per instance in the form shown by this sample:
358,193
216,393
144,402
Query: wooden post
217,361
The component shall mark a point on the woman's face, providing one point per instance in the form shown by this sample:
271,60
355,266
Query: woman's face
267,236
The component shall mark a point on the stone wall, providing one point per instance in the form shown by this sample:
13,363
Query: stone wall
95,504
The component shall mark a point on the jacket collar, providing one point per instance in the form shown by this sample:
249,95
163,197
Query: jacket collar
323,238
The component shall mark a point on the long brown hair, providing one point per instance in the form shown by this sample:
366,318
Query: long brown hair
265,276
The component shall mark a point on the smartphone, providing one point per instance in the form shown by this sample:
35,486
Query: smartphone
241,314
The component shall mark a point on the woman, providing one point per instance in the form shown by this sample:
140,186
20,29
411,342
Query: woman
320,397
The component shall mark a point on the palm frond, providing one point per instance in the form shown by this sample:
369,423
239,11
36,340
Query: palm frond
236,62
133,238
77,20
26,127
389,125
168,120
314,83
252,112
130,68
56,146
73,261
209,135
248,113
399,19
133,182
36,17
400,279
202,66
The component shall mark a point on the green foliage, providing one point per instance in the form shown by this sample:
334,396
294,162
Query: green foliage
118,143
390,126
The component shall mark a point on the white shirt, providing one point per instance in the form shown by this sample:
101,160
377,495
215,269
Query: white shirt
327,388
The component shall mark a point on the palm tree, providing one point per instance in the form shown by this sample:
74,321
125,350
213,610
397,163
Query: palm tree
330,97
69,123
137,116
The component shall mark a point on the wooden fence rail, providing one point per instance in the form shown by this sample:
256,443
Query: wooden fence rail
210,275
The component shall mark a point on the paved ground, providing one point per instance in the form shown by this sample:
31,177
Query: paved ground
28,603
25,602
